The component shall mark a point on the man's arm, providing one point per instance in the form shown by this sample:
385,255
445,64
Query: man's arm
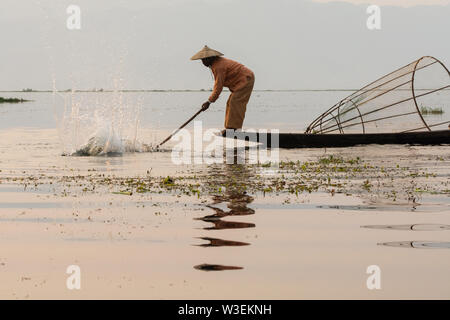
218,86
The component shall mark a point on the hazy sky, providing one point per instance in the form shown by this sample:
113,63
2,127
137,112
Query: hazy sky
399,3
145,44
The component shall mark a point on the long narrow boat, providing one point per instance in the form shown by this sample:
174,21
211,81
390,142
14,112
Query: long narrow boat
407,113
309,140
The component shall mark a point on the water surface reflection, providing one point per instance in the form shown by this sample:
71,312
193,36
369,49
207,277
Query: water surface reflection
232,180
415,228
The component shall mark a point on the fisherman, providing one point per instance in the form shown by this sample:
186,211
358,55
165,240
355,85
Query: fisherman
234,76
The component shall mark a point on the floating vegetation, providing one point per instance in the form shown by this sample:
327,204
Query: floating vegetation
333,175
169,182
126,193
338,160
431,110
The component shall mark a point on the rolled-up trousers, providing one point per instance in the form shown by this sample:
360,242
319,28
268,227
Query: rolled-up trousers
237,105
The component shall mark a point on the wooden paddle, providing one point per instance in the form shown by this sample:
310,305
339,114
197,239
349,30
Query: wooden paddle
182,126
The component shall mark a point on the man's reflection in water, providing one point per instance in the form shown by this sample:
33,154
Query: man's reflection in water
214,242
232,179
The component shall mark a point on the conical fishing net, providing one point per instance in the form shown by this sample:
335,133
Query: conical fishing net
415,97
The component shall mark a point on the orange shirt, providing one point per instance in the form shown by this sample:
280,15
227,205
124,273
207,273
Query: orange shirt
230,74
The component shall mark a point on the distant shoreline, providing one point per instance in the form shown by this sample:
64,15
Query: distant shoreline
12,100
189,90
170,90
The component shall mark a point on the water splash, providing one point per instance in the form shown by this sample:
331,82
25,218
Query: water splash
99,123
106,141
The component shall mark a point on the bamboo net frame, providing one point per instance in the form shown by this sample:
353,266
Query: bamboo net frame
415,97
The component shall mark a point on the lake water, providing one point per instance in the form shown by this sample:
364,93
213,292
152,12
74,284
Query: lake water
391,209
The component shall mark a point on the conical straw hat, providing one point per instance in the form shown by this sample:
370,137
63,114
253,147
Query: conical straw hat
206,52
